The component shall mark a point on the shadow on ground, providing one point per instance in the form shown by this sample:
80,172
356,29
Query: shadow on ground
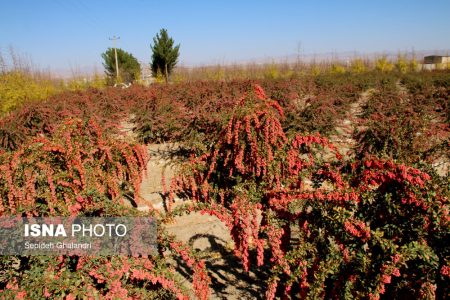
228,278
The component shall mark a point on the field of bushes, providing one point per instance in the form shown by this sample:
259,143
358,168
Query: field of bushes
332,186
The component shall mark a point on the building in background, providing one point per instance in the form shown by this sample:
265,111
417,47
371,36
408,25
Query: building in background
436,62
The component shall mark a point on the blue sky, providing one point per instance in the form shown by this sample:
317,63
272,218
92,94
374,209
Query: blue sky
63,34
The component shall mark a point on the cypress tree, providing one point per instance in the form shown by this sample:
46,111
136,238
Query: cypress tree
165,54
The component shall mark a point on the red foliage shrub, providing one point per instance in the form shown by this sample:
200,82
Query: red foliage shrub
107,107
82,171
57,175
322,229
406,127
321,226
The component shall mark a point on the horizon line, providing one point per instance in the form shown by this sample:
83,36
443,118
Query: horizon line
312,57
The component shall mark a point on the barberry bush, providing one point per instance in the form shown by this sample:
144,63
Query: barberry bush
410,126
320,225
72,171
82,171
324,227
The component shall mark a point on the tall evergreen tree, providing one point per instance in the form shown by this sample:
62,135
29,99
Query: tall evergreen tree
165,54
129,67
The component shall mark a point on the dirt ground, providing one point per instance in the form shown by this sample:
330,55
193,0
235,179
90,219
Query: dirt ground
206,234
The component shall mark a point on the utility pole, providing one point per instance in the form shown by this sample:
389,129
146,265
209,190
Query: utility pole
114,39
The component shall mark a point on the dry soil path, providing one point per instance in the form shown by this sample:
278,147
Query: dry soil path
344,136
206,234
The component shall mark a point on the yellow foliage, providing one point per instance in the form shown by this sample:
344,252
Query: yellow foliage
76,85
357,66
289,74
177,77
98,82
79,84
159,77
382,64
337,69
18,87
402,64
219,74
413,64
315,70
271,72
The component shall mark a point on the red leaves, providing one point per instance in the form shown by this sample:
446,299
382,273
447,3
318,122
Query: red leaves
244,228
445,271
265,187
290,202
271,289
60,170
382,174
404,126
396,272
200,278
259,92
248,141
357,229
281,201
275,235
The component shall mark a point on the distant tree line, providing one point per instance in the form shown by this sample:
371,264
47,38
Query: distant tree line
164,58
